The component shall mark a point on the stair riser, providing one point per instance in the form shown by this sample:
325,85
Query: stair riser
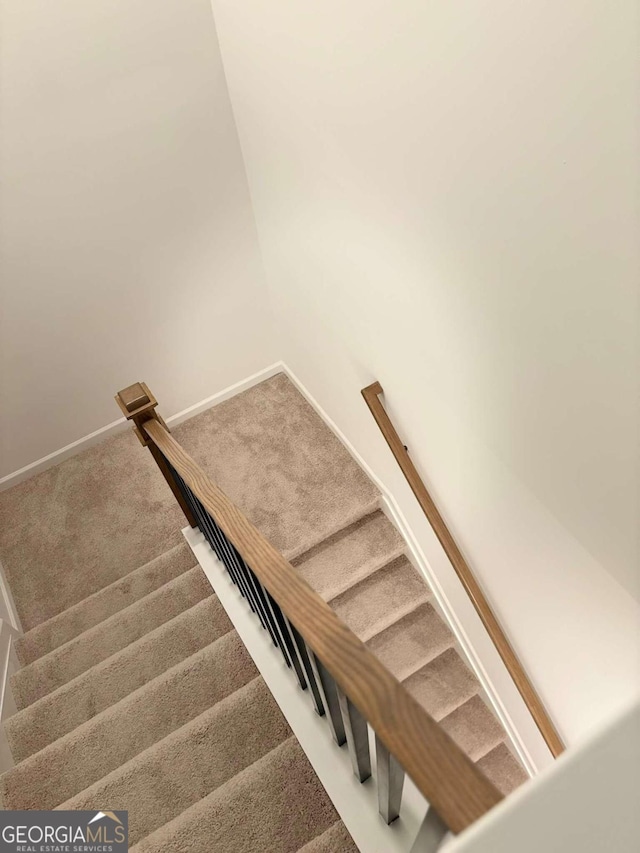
350,555
202,755
380,600
80,654
87,614
85,755
276,804
336,839
74,703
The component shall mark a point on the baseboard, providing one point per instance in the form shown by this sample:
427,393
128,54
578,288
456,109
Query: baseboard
8,609
515,717
226,393
356,803
115,427
58,456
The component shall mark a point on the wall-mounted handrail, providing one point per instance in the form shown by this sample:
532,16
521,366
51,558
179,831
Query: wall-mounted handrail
526,689
456,789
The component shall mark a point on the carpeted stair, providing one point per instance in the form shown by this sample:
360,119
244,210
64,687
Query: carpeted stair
109,637
137,693
336,839
163,712
106,602
366,578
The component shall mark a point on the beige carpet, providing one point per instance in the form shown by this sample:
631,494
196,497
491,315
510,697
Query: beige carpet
70,531
365,576
75,528
275,458
175,722
135,689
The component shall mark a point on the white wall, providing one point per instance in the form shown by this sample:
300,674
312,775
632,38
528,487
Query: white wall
128,242
444,195
587,802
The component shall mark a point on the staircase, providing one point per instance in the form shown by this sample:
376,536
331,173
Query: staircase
135,691
363,573
143,697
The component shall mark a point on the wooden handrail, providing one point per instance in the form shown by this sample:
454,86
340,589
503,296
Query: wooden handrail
456,789
526,689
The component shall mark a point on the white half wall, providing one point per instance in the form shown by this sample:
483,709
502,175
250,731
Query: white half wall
129,248
588,802
445,200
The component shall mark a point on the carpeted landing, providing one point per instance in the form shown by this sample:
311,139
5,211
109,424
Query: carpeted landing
135,692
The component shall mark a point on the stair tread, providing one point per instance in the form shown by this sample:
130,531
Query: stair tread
125,729
336,839
202,755
474,728
76,656
376,602
443,684
275,804
94,609
502,768
350,555
412,641
96,689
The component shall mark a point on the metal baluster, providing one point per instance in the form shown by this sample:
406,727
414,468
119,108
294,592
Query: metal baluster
221,545
249,577
244,578
295,653
287,647
273,622
329,694
214,539
390,777
227,559
224,550
357,732
265,614
206,526
200,514
185,491
203,524
301,646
